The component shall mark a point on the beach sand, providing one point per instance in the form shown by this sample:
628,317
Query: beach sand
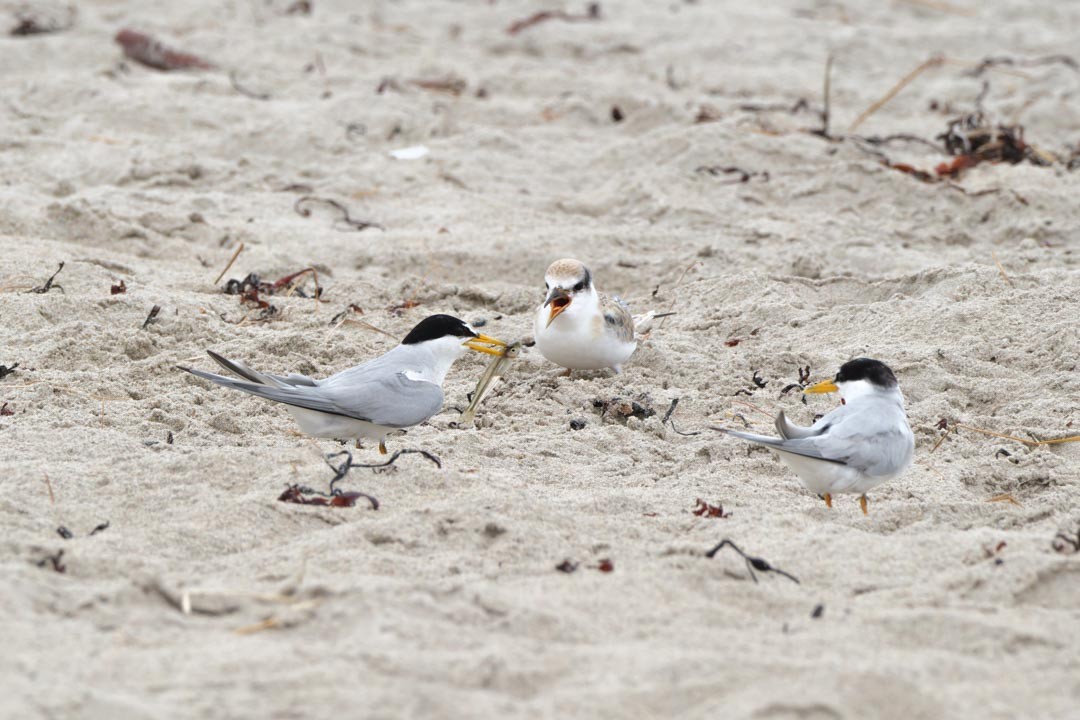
446,601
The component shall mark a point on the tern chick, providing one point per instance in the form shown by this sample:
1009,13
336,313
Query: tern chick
581,329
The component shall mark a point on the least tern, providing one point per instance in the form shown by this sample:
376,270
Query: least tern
859,445
579,328
397,390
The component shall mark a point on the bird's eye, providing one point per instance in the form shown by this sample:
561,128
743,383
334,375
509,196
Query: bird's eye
547,286
580,286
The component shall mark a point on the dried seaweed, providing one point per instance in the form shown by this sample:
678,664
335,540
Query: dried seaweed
704,509
667,420
336,497
997,61
341,316
251,289
68,535
743,175
1067,544
300,206
592,12
149,51
50,284
53,561
623,408
33,22
752,563
972,139
300,7
567,566
151,317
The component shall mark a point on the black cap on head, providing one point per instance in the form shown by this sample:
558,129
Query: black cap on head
873,371
434,327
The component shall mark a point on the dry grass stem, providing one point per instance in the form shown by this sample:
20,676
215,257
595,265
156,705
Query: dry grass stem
229,264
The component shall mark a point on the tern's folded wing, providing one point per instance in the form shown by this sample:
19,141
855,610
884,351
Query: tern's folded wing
805,446
790,431
259,378
391,401
875,440
617,317
874,451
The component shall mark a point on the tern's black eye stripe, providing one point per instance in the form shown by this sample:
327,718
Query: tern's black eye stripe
580,286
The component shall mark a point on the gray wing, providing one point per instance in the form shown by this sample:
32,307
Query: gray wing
242,370
391,400
875,440
617,317
790,431
795,447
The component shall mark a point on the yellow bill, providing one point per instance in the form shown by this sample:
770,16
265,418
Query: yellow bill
485,344
825,386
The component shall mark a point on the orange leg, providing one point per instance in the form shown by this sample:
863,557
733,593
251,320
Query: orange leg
382,448
828,500
862,504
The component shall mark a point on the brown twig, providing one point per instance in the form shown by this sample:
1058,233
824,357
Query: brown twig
229,264
1001,269
991,433
1033,443
826,112
942,438
48,486
933,62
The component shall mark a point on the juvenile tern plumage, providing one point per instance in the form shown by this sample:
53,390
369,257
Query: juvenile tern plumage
397,390
579,328
854,448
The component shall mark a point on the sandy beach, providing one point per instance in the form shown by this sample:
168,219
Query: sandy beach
682,152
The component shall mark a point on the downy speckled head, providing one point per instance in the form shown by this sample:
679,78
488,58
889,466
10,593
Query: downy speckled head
567,281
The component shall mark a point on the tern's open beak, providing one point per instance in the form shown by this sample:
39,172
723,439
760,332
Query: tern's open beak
559,300
825,386
480,343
